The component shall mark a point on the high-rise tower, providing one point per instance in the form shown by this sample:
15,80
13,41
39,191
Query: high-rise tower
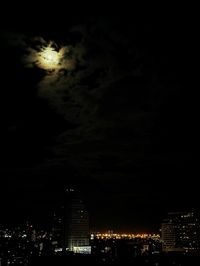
181,232
76,222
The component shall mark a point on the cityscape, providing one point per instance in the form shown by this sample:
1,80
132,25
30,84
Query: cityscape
70,240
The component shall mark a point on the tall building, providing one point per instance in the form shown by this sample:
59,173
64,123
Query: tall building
57,228
168,230
76,223
181,232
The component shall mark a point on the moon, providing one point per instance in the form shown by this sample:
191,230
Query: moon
49,58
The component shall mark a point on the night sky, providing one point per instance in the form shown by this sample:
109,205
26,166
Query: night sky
119,122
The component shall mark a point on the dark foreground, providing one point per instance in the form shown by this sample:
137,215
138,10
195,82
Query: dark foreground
156,260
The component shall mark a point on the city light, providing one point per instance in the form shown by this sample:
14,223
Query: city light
125,236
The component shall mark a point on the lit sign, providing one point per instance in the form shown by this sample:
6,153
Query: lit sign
82,250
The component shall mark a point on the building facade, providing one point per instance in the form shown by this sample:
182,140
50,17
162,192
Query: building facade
181,232
76,222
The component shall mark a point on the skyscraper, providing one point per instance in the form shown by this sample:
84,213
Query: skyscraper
168,230
181,232
76,222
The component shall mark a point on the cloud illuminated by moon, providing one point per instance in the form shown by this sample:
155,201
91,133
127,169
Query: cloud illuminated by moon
47,56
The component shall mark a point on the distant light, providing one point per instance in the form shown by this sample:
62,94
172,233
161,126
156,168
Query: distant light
69,190
58,249
127,236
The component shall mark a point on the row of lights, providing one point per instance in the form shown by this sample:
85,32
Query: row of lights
122,236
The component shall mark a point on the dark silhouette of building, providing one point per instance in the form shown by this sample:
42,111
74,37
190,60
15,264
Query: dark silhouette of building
57,228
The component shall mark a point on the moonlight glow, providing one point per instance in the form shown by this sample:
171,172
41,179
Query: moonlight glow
49,58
